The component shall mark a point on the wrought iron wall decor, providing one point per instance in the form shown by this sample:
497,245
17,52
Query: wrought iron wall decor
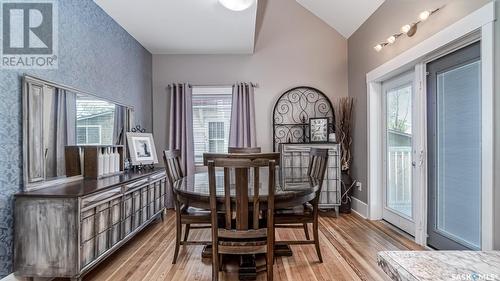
292,111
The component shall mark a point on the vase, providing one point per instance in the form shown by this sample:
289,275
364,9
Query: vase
346,190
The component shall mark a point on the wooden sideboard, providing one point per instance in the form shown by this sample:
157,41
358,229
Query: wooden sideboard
66,230
294,164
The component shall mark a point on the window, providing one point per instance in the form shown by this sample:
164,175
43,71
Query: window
216,136
88,134
95,121
211,120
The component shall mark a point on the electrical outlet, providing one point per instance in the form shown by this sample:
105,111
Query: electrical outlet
359,185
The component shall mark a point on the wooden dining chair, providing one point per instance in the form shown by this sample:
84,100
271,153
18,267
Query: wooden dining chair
184,215
301,216
243,150
243,233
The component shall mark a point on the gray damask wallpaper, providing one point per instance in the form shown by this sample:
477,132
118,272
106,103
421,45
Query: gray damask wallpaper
95,55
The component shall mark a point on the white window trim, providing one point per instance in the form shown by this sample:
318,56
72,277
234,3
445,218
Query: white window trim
481,20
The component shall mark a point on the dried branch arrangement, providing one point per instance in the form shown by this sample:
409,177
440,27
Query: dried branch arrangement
343,124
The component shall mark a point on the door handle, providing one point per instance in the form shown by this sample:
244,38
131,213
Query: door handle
414,164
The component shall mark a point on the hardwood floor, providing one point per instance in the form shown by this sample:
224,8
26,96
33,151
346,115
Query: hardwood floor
349,245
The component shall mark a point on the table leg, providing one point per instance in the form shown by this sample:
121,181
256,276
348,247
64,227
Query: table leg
206,253
282,250
248,265
248,269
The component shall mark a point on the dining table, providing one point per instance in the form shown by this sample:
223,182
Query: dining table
193,191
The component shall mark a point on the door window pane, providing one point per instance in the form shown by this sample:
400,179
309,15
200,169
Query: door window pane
399,146
459,153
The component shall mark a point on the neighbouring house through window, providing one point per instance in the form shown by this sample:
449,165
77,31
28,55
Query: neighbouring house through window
211,120
89,134
94,121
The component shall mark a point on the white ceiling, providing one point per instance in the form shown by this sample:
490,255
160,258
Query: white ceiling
344,16
185,26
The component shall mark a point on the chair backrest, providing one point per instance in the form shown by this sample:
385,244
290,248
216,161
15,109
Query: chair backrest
239,167
251,156
173,165
318,162
243,150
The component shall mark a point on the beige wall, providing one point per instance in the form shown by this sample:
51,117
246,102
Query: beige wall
293,48
363,58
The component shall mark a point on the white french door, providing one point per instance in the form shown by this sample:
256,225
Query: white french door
398,145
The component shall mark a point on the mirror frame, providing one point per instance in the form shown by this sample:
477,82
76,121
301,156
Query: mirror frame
42,182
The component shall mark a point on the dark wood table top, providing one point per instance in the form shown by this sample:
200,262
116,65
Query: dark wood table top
288,193
83,187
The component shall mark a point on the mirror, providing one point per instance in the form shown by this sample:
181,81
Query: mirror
55,116
98,122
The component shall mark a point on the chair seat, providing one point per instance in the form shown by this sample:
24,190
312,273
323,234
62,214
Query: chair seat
192,211
234,243
191,215
306,209
292,216
242,247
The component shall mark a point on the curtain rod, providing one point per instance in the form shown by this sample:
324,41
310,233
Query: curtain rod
255,85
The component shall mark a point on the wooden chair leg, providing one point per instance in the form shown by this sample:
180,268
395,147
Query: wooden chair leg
186,232
215,263
270,265
316,238
220,262
270,245
306,231
178,233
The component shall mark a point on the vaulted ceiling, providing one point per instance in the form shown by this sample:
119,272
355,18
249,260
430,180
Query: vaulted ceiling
346,16
206,27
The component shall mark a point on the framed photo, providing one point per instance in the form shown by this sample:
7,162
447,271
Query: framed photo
142,148
318,129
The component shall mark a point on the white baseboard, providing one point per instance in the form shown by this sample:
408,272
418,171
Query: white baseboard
12,277
359,207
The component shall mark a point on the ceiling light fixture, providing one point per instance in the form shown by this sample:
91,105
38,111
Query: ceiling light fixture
237,5
424,15
408,29
405,28
379,47
391,39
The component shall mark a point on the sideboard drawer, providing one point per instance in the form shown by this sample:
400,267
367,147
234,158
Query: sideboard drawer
91,200
158,176
88,226
144,204
102,218
114,236
115,212
87,253
136,184
102,243
151,200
